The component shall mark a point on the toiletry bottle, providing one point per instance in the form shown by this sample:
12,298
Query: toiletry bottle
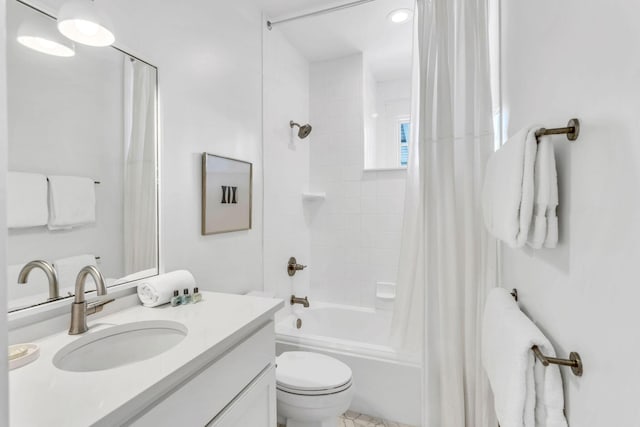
186,298
197,296
176,299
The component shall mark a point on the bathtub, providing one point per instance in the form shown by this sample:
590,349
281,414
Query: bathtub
387,382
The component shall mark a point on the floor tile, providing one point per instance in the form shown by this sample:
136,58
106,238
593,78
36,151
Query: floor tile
351,415
355,419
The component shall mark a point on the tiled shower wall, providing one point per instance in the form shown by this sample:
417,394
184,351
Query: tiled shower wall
286,165
355,231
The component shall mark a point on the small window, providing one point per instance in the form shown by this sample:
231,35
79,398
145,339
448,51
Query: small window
403,133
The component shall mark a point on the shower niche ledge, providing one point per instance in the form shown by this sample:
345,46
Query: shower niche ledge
309,196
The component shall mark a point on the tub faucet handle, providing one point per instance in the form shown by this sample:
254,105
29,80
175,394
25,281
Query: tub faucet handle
293,266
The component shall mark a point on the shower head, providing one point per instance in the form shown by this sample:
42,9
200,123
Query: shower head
303,131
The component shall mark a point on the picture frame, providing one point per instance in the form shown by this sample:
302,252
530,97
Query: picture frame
227,193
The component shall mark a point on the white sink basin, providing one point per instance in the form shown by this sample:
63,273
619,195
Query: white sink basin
119,345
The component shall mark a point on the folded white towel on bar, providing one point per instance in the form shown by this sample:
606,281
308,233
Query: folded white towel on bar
26,200
544,225
158,290
508,189
526,393
68,269
72,202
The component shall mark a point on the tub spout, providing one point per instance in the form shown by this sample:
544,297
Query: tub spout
297,300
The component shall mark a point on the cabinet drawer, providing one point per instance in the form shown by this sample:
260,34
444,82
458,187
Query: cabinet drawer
200,398
255,406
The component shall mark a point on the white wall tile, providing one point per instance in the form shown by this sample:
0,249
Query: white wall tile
286,162
358,225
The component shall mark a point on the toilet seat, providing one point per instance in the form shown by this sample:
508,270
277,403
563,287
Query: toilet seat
311,374
322,392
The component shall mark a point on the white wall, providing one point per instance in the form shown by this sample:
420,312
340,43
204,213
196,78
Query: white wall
77,119
578,59
355,232
286,165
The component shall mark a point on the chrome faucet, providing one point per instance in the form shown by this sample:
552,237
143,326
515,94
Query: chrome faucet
297,300
49,270
80,309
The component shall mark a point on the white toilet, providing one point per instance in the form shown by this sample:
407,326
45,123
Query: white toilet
312,389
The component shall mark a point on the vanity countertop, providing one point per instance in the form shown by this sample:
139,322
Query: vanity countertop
42,395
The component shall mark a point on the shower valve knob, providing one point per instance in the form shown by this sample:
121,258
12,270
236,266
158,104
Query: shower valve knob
293,266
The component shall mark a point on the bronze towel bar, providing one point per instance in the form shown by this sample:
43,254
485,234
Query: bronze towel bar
572,130
574,361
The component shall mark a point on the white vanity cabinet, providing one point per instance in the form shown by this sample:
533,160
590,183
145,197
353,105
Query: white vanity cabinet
221,374
237,389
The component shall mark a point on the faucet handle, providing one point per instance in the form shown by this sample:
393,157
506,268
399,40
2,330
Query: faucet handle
293,266
97,305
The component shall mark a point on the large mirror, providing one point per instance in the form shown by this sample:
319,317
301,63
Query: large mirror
82,160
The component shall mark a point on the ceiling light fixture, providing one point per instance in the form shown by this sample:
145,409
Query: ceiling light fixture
399,16
41,37
83,22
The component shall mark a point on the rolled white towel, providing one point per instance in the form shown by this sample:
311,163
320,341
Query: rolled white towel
158,290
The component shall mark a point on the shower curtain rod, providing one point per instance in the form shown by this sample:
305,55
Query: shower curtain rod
270,24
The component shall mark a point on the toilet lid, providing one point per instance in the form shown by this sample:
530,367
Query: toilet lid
306,371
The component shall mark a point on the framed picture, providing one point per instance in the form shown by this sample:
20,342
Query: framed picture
226,194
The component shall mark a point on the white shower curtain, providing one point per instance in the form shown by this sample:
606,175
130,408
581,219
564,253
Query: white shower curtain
140,213
448,260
